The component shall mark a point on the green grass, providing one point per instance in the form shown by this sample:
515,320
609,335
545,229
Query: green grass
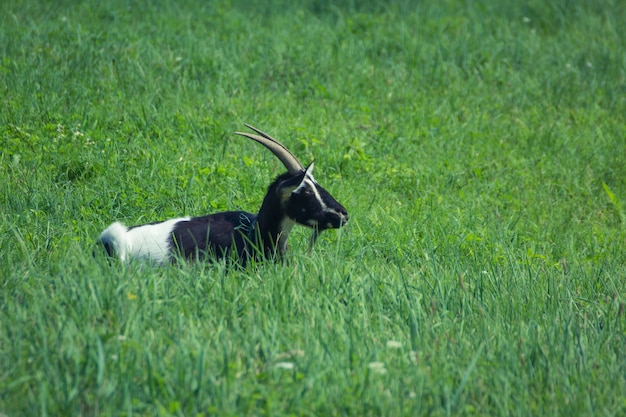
479,148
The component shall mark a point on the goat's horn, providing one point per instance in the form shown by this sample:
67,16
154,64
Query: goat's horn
291,162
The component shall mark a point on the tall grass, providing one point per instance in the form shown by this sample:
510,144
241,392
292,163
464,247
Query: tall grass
479,149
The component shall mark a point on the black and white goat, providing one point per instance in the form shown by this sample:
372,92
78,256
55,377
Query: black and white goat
293,197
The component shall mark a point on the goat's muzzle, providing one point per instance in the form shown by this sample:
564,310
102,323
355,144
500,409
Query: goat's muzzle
334,219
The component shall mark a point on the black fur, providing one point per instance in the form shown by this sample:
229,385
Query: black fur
214,235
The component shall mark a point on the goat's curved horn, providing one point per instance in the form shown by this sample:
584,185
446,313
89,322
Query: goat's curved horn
291,162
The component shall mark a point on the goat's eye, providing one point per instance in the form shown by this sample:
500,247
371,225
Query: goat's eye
303,192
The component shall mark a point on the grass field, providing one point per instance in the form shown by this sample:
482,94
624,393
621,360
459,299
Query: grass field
479,147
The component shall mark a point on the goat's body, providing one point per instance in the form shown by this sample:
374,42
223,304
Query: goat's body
215,235
293,197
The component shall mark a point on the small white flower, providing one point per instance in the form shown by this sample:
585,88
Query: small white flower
284,365
377,367
394,344
526,19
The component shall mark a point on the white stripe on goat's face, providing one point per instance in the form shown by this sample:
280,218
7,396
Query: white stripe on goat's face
311,205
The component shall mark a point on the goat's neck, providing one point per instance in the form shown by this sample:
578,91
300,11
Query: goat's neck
273,226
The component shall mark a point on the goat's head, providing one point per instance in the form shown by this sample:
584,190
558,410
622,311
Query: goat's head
308,204
302,198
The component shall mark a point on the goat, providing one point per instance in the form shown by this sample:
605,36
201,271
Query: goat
293,197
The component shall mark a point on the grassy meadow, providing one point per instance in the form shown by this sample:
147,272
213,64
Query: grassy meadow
479,147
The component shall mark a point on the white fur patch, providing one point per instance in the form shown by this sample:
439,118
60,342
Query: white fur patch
285,228
149,242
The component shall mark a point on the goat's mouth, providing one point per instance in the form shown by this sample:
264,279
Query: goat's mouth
325,225
334,222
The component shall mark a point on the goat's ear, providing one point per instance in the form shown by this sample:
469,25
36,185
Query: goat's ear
308,173
309,169
286,187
